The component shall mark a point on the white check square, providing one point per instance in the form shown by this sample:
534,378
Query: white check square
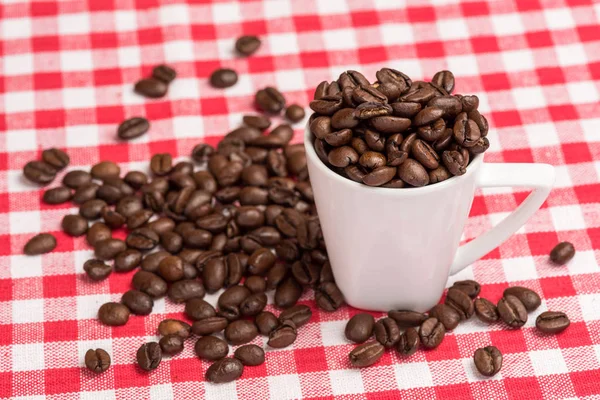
346,382
174,14
283,43
76,60
129,56
396,34
583,92
225,13
591,129
28,357
18,64
27,311
571,54
332,6
528,97
567,218
518,60
340,39
290,80
182,50
285,387
548,362
507,24
16,28
590,306
188,126
82,135
277,8
21,140
563,177
519,269
455,28
332,333
559,18
22,266
75,23
464,65
125,20
411,375
542,135
25,222
79,97
100,395
584,262
158,392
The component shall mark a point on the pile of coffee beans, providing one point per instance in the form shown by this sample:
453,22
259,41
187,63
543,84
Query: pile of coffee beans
406,330
395,132
43,172
158,84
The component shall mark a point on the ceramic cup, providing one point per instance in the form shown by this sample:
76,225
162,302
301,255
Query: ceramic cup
395,248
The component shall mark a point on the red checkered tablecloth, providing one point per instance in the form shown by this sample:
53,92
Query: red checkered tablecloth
66,73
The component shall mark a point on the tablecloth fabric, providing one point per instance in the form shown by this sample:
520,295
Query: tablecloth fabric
67,71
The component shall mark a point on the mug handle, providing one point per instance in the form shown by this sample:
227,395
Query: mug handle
540,177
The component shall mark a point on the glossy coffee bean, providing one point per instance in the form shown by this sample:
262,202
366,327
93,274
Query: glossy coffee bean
461,302
269,100
454,162
138,302
105,170
149,356
486,311
230,301
209,325
92,209
171,344
283,335
448,316
259,122
113,314
142,239
360,327
97,360
40,244
432,333
408,343
77,178
444,79
56,158
366,354
57,195
185,290
161,164
562,253
127,260
97,270
552,322
512,311
197,309
250,355
85,192
295,113
470,287
152,88
98,232
256,284
289,291
530,299
171,268
223,78
211,348
266,322
329,297
112,219
74,225
39,172
387,332
488,360
132,128
149,283
406,318
253,304
240,332
247,44
174,327
164,73
300,314
224,370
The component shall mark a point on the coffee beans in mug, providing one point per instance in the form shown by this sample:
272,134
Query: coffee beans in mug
366,354
552,322
40,244
562,253
149,356
224,370
113,314
530,299
488,360
97,360
512,311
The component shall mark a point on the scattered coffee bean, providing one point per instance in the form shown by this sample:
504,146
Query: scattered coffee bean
461,302
512,311
56,158
185,290
149,283
300,314
223,78
209,325
366,354
127,260
142,239
240,332
57,195
405,318
432,333
150,87
250,355
295,113
138,302
97,270
329,297
92,209
97,360
283,335
113,314
108,249
408,343
256,284
174,327
164,73
552,322
360,328
161,164
224,370
149,356
270,100
260,122
488,360
448,316
562,253
486,310
247,45
133,127
387,332
76,179
197,309
74,225
171,344
97,233
39,172
530,299
471,288
289,291
40,244
266,322
85,192
211,348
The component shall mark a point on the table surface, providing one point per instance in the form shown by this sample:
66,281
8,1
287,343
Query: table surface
67,71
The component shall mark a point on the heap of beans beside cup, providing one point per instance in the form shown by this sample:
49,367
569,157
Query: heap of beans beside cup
396,133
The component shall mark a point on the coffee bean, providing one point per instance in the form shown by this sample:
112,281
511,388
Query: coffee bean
270,100
387,332
214,273
277,275
149,283
105,170
448,316
57,195
342,156
486,310
113,314
164,73
256,284
360,327
300,314
260,122
329,297
142,239
174,327
405,109
161,164
224,370
197,309
283,335
39,172
133,127
562,253
512,311
240,332
92,209
97,233
408,343
289,291
261,261
149,356
97,360
295,113
184,290
253,304
230,300
488,360
406,318
40,244
150,87
425,154
444,79
128,206
266,322
74,225
77,178
439,174
552,322
211,348
366,354
305,274
171,344
432,333
392,82
530,299
461,302
470,287
113,219
85,192
247,45
127,260
454,161
138,302
413,173
250,355
209,325
223,78
171,268
97,270
390,124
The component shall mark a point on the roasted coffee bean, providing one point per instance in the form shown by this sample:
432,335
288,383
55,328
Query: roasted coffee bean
113,314
113,219
406,109
142,239
162,226
486,311
488,360
164,73
408,343
428,115
261,261
405,318
209,325
205,181
461,302
161,164
269,100
190,256
74,225
77,178
211,348
439,174
240,332
151,87
466,131
562,253
184,290
230,300
366,354
387,332
97,233
266,322
305,273
138,302
39,172
360,327
171,344
451,105
390,124
530,299
300,314
223,78
444,79
512,311
214,273
454,161
470,287
326,273
174,327
128,206
288,292
259,122
256,284
57,195
277,274
171,268
56,158
432,333
250,355
392,82
247,45
97,360
294,113
224,370
328,296
413,173
253,304
149,356
97,270
133,127
151,261
342,156
139,218
149,283
108,249
85,192
327,105
92,209
425,154
552,322
127,260
214,223
470,103
105,170
171,241
197,309
283,335
447,315
379,176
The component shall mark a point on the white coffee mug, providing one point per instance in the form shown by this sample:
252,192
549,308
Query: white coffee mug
395,248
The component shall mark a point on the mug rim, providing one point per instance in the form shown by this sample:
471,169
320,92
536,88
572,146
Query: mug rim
474,165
